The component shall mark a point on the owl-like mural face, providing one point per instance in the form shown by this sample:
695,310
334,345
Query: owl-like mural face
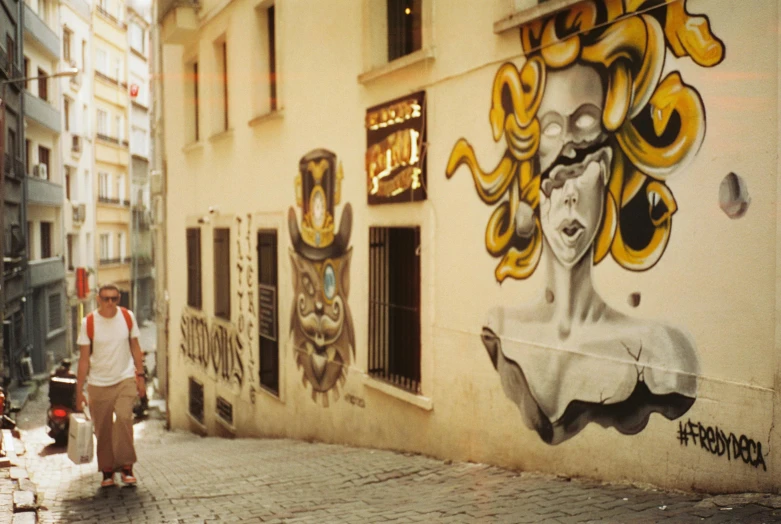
320,321
575,162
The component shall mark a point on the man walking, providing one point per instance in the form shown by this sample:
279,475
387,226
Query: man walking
112,363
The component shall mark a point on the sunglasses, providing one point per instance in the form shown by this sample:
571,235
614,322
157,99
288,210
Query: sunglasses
114,298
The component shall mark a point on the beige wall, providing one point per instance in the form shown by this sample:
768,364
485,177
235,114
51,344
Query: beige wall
715,279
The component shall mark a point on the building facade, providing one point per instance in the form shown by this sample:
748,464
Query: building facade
45,179
77,154
446,227
111,146
13,311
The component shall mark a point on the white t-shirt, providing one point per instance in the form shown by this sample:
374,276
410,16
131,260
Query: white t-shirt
111,361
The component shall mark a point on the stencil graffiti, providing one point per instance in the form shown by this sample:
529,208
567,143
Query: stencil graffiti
720,443
245,271
594,131
216,348
320,321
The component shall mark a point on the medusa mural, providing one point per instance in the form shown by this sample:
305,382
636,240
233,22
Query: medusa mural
593,133
320,323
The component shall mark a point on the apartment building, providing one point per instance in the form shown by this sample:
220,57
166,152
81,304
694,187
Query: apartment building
45,179
111,145
13,265
142,260
77,154
446,227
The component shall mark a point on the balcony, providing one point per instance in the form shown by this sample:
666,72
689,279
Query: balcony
46,271
42,112
112,140
44,192
106,78
108,16
115,201
178,20
41,32
114,261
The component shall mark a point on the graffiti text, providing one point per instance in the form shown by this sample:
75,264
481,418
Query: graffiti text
715,440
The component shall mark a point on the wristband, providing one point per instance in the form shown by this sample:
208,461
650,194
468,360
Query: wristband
140,374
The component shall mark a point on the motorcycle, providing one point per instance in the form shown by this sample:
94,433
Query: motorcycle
62,401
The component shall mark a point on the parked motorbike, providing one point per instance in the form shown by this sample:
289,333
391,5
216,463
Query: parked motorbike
7,412
62,401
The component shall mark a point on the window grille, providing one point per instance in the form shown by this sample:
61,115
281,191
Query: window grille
55,311
196,400
267,310
222,273
194,268
394,306
404,27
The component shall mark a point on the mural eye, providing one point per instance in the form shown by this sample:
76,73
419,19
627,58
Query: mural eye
552,130
585,121
329,282
308,286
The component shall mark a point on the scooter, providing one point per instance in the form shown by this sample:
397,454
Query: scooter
62,400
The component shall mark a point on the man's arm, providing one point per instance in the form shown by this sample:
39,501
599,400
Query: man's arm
138,360
81,376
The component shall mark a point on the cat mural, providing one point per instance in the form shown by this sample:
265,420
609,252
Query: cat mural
321,324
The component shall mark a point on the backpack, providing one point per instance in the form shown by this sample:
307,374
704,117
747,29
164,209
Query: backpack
91,325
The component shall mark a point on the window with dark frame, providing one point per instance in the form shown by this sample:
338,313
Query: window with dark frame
194,268
69,240
195,398
11,143
46,239
43,85
67,182
394,306
272,59
404,27
66,109
28,150
267,311
10,47
27,73
195,99
55,311
222,273
225,84
43,158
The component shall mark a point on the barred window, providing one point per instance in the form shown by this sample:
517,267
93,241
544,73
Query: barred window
394,306
55,311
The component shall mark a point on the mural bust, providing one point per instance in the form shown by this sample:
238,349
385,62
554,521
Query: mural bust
593,133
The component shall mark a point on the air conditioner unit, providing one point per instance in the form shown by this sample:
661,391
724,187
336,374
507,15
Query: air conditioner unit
41,171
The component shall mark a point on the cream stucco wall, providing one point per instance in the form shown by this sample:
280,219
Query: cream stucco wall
716,278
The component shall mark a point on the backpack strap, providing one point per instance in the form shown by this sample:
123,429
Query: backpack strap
91,326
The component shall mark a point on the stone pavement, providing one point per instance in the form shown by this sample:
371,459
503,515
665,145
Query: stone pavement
186,478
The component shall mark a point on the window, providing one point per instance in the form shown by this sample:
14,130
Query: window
10,48
191,96
137,37
28,151
43,159
195,397
55,311
105,246
394,306
66,110
69,248
104,185
83,55
101,61
85,120
222,273
118,127
272,59
27,73
67,182
267,312
404,27
194,268
43,85
102,123
11,143
221,87
46,239
66,44
117,69
121,188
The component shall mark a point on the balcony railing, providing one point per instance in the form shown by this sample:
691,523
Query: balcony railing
104,76
117,201
111,17
113,261
107,138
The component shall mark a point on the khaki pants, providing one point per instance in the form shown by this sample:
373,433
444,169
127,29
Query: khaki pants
115,437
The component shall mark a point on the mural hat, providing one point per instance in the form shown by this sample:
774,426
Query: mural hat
318,191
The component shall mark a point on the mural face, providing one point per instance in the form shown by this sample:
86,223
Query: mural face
320,323
593,133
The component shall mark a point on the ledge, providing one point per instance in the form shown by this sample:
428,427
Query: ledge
421,56
266,117
424,403
192,146
525,16
216,137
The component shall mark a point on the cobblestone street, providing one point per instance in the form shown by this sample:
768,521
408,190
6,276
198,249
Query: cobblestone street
188,478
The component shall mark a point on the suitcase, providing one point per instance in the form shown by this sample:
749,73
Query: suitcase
80,443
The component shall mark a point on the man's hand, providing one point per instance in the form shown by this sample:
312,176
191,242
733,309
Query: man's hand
80,401
141,386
